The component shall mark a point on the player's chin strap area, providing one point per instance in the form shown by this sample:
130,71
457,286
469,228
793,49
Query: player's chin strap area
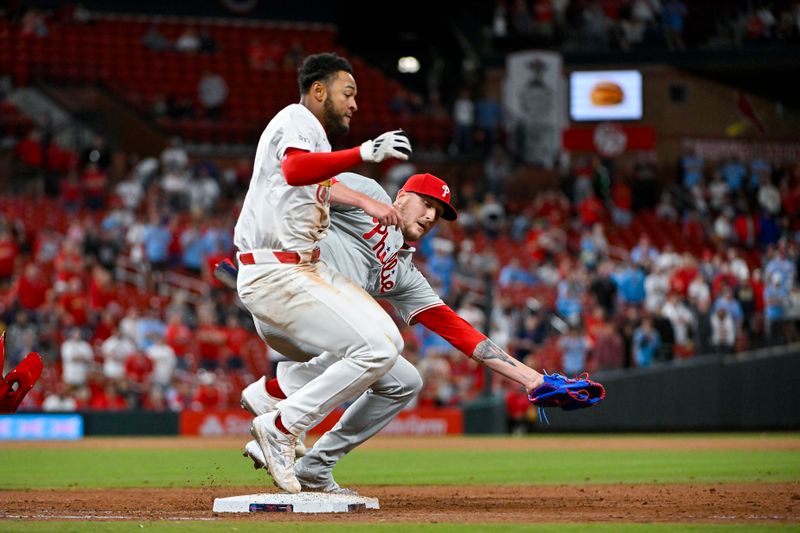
263,256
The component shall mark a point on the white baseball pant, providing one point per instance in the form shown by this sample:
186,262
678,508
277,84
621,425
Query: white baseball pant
365,417
321,307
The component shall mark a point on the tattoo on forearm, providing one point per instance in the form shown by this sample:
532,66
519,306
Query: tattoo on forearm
488,350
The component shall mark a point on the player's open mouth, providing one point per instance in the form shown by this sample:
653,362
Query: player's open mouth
421,226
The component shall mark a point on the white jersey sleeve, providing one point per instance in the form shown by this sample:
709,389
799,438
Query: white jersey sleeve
276,215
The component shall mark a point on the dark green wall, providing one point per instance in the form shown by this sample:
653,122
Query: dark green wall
756,391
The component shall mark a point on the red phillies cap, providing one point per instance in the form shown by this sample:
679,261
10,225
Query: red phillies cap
432,187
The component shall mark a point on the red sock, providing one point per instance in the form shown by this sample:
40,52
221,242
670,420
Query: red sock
280,426
274,389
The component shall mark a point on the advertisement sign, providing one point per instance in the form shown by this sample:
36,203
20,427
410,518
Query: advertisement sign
41,427
608,139
234,422
417,422
605,95
426,422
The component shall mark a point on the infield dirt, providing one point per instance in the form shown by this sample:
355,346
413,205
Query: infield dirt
681,503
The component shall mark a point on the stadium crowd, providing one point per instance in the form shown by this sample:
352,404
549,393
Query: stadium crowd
568,294
106,259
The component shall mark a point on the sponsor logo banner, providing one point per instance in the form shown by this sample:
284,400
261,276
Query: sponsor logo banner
237,423
426,422
41,427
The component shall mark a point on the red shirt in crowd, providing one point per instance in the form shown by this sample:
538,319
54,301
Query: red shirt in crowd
590,210
32,288
211,339
29,151
76,305
179,337
138,368
8,255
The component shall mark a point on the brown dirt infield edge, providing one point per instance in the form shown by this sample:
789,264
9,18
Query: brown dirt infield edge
675,503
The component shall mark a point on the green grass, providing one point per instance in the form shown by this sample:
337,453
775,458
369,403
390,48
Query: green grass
100,468
327,527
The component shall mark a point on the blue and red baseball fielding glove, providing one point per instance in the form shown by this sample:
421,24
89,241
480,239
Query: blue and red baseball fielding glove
568,394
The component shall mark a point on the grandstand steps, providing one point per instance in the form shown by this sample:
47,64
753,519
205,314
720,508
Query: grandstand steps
111,116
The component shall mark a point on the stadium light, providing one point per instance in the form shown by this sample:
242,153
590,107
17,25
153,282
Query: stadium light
408,65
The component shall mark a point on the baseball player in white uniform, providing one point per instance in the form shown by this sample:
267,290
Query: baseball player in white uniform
281,280
378,257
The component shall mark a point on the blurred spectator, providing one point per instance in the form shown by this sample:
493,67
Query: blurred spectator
9,251
463,123
212,93
204,190
723,331
32,288
622,203
294,55
574,348
608,351
604,288
154,40
769,197
520,19
672,19
174,157
33,24
115,351
76,357
207,42
497,170
569,299
596,28
59,401
95,184
731,306
630,280
513,275
692,165
646,342
188,41
590,211
681,318
666,209
776,303
97,153
163,359
644,253
20,338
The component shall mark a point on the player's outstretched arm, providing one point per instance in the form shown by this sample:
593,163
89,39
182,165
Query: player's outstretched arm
386,214
307,168
445,322
491,355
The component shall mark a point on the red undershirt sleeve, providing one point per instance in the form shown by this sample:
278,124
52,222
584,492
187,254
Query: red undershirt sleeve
445,322
307,168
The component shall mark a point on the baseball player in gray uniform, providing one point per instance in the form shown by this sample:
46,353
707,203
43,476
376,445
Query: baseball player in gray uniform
281,280
378,258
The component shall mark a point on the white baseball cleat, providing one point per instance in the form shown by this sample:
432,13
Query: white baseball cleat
278,448
253,451
258,401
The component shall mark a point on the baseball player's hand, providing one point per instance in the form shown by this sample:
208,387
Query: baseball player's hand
390,144
386,214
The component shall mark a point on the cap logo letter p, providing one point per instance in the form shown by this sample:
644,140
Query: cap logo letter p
445,191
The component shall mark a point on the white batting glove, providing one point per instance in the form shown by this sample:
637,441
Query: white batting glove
390,144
